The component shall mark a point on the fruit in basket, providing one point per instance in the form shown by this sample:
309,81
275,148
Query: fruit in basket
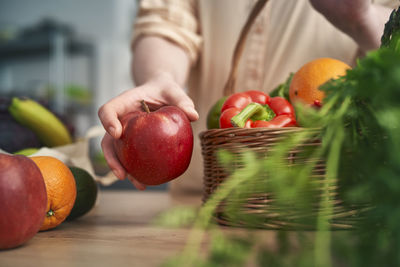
155,147
307,80
282,89
214,113
237,100
277,122
236,103
252,109
23,200
61,190
86,193
48,128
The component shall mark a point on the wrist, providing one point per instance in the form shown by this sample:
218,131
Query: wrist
367,28
365,32
163,75
159,76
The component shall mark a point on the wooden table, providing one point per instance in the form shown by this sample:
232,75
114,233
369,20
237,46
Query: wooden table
117,232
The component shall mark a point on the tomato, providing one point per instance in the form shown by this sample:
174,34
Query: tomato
258,97
238,100
226,116
277,122
281,106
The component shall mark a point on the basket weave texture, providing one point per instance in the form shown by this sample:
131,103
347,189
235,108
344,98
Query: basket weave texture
262,206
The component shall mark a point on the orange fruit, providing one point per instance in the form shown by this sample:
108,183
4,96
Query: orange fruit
307,80
60,187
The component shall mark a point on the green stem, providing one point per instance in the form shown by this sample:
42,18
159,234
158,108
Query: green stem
255,111
333,143
203,221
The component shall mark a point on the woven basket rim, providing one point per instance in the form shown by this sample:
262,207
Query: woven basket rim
252,131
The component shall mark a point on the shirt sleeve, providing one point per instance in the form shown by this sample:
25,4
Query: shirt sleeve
388,3
174,20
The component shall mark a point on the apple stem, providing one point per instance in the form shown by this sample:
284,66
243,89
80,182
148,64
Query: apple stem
145,106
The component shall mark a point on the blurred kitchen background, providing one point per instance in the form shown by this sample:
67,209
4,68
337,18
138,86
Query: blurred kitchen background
70,55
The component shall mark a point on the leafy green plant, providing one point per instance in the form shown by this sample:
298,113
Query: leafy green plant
359,126
282,89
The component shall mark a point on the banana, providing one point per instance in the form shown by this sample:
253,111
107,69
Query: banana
48,128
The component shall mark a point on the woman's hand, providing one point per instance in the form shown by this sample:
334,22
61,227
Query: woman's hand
340,12
360,19
158,91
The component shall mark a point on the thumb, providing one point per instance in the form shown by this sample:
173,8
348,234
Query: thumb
190,111
109,118
111,112
181,100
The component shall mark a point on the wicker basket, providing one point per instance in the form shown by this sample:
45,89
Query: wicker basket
261,205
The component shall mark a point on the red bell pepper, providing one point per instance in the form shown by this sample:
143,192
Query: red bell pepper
236,103
256,109
277,122
281,106
238,100
226,116
241,100
258,97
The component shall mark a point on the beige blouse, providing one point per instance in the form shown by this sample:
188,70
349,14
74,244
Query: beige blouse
286,35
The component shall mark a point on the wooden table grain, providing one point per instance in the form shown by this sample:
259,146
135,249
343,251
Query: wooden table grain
117,232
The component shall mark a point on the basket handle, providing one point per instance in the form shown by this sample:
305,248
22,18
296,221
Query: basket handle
230,83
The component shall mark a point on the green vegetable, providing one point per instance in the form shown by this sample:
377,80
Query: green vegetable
214,114
254,111
282,90
359,125
391,31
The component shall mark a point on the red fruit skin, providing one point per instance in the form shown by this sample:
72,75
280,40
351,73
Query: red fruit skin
277,122
23,200
155,147
226,116
237,100
258,96
281,106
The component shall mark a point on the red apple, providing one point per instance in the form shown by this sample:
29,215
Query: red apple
23,200
155,147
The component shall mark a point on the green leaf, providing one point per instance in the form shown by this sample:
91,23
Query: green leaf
282,90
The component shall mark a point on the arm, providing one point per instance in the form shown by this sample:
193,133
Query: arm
160,69
361,20
156,56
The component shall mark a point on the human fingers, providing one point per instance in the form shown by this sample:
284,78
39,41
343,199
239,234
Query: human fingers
136,183
177,97
111,111
111,157
114,163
